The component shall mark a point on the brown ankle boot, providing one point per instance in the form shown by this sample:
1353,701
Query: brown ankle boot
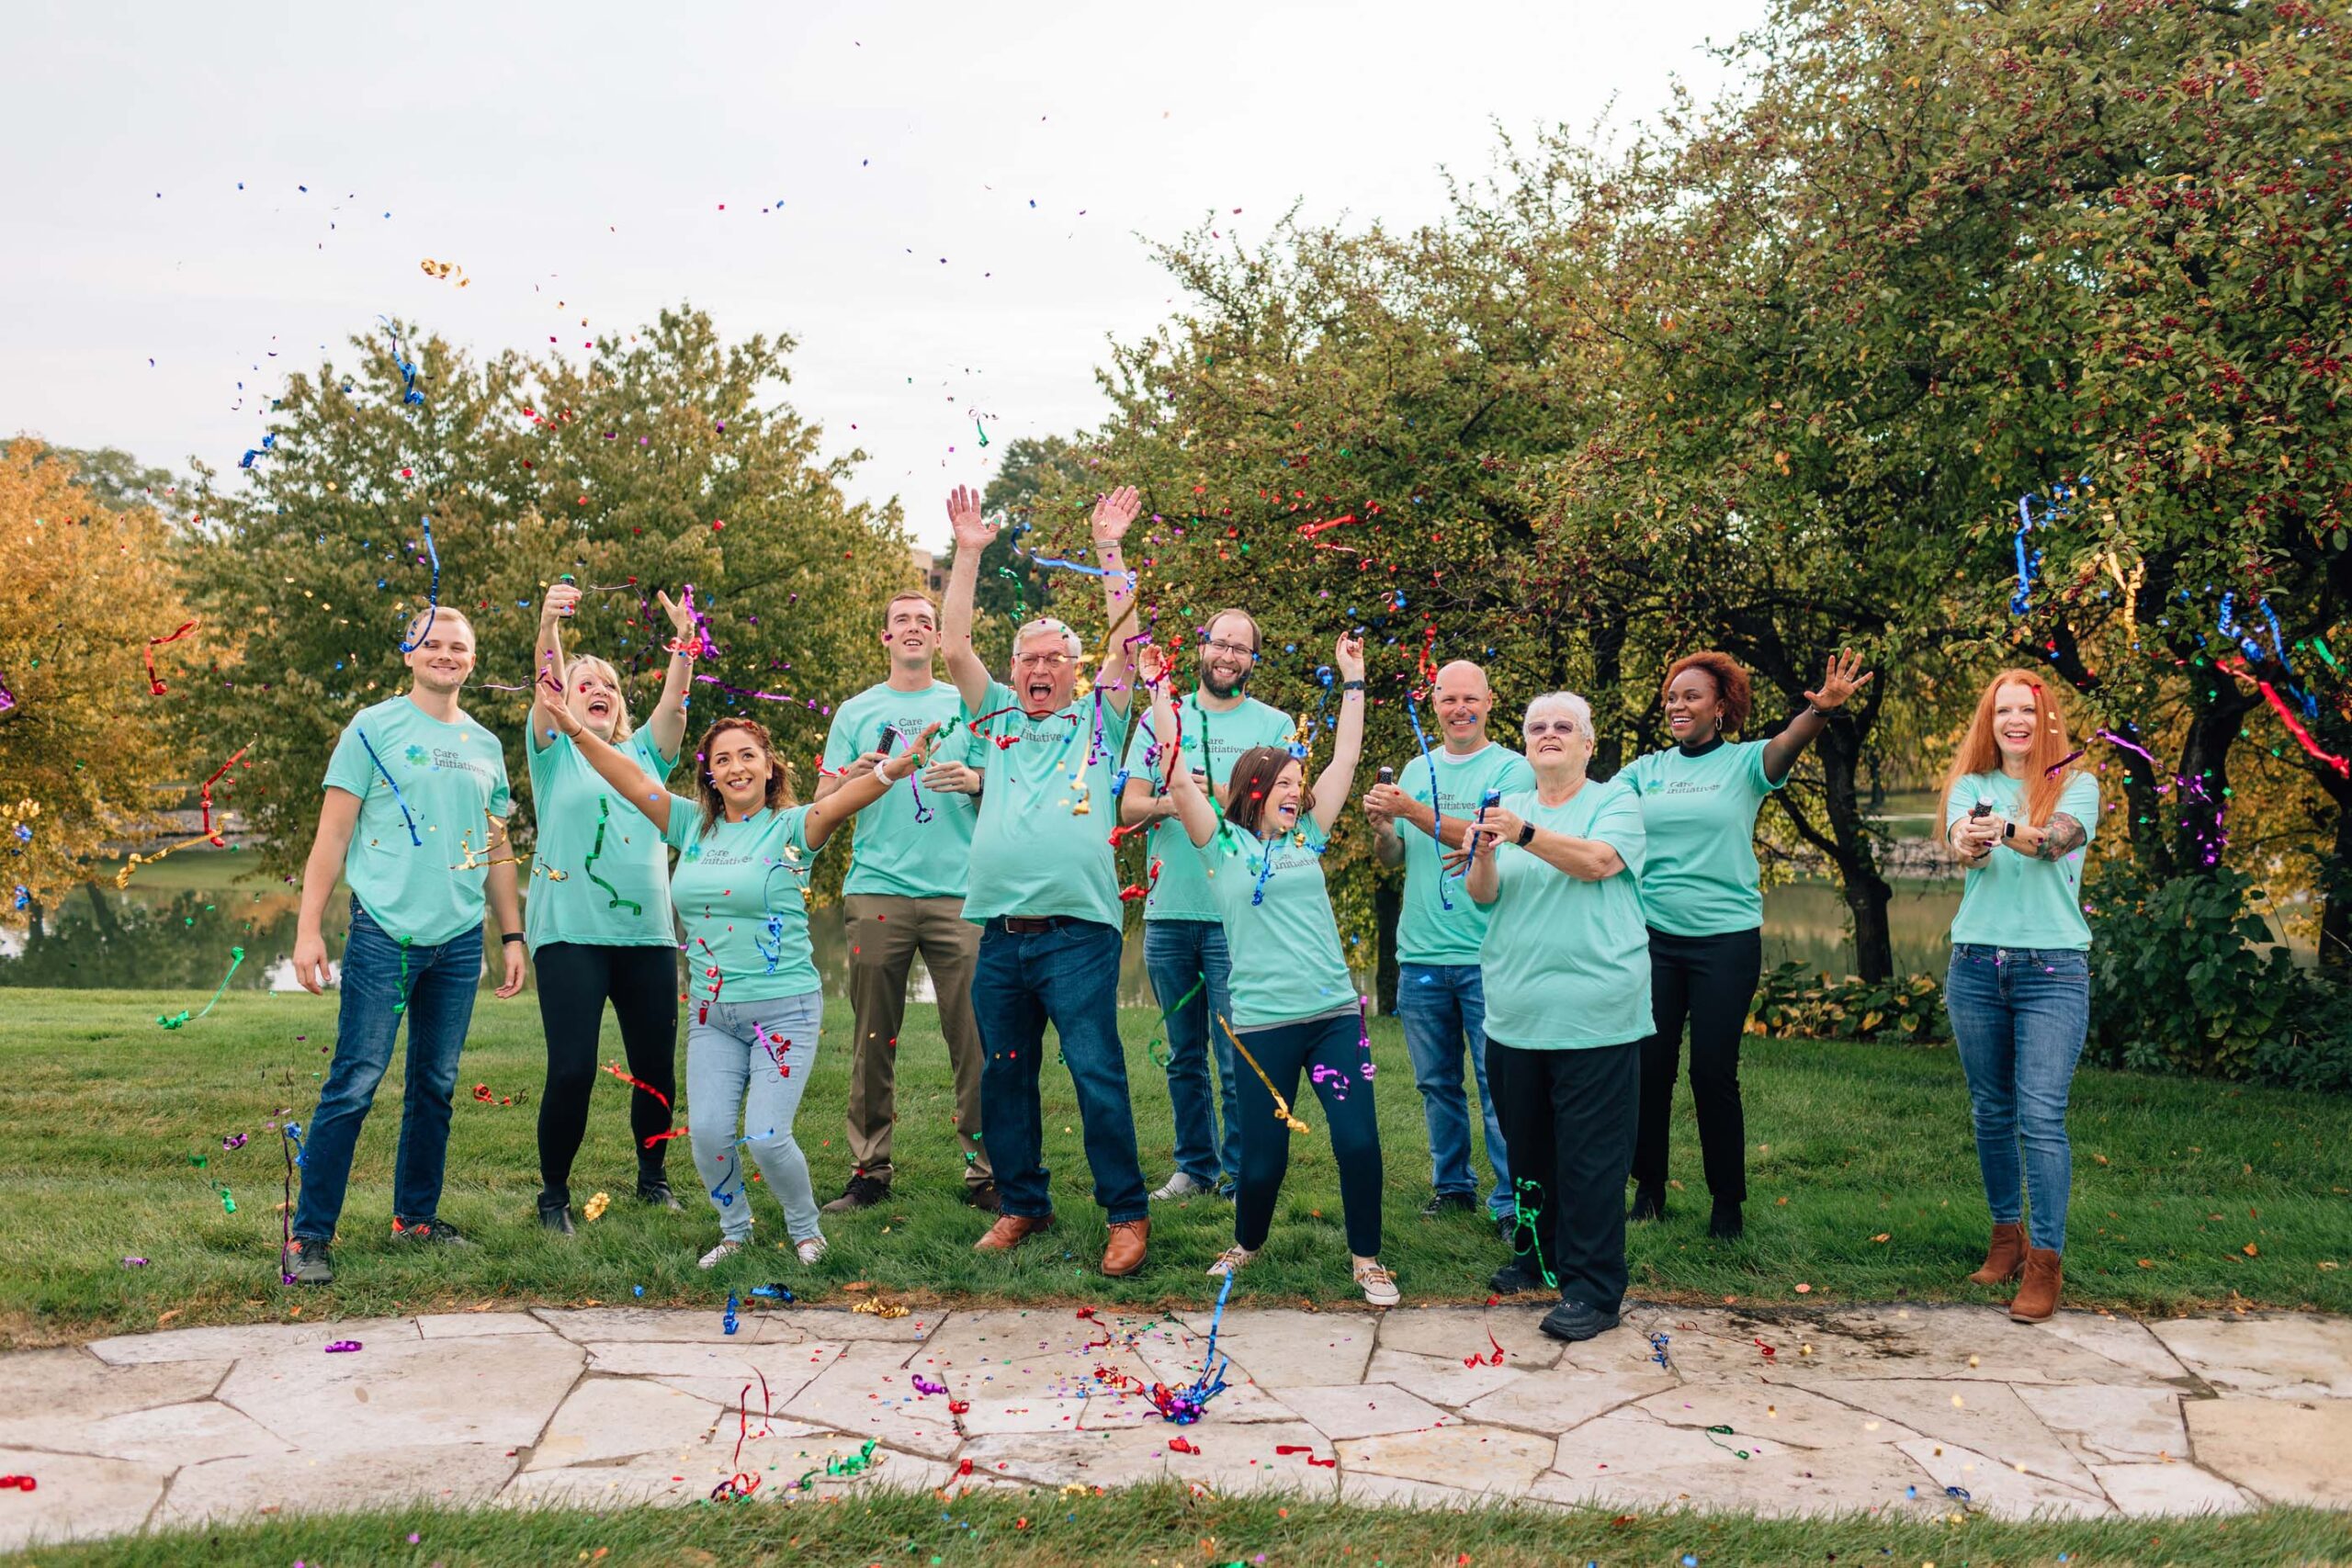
2004,1259
2038,1297
1011,1230
1124,1255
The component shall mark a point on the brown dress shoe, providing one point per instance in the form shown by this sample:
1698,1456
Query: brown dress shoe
2037,1299
2004,1259
1124,1255
1011,1230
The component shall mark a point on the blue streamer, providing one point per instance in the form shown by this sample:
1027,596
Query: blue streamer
1492,797
409,394
2028,563
413,836
1436,818
434,603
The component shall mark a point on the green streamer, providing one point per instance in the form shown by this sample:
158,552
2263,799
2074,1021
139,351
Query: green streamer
236,956
603,814
1158,1050
400,1006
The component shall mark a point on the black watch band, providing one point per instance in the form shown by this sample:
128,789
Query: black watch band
1351,685
509,936
1526,834
2008,830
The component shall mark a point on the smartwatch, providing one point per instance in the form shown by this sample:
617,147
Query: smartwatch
1526,834
1351,685
2008,830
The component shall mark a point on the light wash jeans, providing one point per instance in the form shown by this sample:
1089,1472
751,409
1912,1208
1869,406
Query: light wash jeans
2018,1016
747,1063
1443,1008
1177,954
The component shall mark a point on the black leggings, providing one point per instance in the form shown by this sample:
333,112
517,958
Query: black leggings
1709,980
574,979
1284,1052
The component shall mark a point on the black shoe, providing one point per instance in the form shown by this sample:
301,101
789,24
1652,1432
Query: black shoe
557,1218
863,1192
1441,1202
1649,1203
1520,1274
1507,1229
309,1262
982,1195
1724,1224
1573,1321
430,1233
656,1192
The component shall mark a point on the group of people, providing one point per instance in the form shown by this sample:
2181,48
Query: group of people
1559,934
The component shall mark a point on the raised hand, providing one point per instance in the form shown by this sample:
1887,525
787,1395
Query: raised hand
1844,678
1151,664
550,686
972,530
1349,656
681,614
1114,511
560,599
906,760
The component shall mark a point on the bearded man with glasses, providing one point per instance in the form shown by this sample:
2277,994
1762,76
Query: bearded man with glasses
1183,941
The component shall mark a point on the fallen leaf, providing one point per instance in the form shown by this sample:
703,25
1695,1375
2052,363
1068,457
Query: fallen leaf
2250,1250
2145,1263
1882,1235
2101,1158
1804,1289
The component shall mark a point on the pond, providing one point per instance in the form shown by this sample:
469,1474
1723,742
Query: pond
174,926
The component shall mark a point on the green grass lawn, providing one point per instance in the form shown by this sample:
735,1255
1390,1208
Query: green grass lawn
1162,1525
1864,1186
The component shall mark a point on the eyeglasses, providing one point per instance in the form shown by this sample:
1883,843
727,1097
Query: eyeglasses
1043,661
1565,728
1238,651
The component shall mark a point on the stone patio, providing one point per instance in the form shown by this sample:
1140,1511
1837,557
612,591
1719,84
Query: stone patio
1780,1412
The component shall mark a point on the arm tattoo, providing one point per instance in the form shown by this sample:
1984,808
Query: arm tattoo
2061,838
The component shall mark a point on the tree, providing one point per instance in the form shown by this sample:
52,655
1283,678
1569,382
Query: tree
663,460
90,748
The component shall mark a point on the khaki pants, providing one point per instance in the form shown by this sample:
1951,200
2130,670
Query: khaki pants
885,933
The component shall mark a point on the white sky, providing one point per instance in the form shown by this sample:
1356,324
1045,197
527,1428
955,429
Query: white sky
582,154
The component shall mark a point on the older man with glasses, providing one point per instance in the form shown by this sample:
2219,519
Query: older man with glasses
1184,942
1043,888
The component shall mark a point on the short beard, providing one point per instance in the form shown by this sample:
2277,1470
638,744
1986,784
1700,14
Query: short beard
1208,685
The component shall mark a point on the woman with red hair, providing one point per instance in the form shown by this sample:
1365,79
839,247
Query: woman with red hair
2019,816
1705,909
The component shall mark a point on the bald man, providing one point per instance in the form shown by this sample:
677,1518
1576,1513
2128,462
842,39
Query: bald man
1439,996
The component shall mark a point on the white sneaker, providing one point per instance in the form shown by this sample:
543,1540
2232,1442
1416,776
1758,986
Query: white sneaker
1232,1258
1379,1285
721,1253
1178,1186
810,1250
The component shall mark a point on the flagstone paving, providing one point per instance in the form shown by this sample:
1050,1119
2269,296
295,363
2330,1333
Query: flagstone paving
1924,1409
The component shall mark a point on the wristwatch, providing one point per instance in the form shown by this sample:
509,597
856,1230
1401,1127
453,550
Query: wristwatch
1526,834
2008,830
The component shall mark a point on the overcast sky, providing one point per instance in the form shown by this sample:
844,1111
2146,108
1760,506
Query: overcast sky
947,206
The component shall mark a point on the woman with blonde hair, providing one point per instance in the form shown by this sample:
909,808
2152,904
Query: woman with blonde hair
2018,814
597,914
740,892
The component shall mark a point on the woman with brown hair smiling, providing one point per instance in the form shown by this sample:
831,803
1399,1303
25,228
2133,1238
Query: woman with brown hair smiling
740,888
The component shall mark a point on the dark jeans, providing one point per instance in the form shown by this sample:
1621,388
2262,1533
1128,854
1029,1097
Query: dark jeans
1568,1116
1443,1009
438,993
1283,1053
1177,954
574,980
1068,977
2018,1016
1710,980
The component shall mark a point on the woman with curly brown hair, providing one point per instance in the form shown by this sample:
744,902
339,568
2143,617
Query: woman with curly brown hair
740,887
1705,909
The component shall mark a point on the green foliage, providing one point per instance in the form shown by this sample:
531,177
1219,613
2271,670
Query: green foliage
2185,978
1794,1003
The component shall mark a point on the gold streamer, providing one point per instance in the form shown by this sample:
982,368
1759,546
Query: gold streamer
1282,1106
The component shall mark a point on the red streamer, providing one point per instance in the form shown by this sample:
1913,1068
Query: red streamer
664,1137
639,1083
154,685
2286,717
1308,530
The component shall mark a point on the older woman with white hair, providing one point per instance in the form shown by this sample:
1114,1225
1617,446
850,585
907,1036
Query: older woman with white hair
1567,972
597,916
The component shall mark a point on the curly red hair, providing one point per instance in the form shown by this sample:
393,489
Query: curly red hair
1731,683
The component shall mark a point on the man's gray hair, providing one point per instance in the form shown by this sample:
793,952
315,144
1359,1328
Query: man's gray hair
1579,712
1071,644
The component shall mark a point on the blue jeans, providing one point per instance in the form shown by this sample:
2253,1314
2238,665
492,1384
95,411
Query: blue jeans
434,987
747,1066
1441,1005
1177,954
1069,977
2018,1016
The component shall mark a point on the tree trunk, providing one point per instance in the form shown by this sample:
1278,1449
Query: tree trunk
2199,817
108,926
1608,675
2335,887
1867,893
1387,907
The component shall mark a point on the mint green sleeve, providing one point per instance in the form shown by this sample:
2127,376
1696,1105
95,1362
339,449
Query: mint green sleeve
2080,801
501,793
793,827
685,821
1960,801
1518,774
1759,778
1619,825
348,769
1136,763
648,755
840,741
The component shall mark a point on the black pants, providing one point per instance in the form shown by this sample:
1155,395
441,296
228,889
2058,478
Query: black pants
574,981
1709,980
1284,1052
1567,1121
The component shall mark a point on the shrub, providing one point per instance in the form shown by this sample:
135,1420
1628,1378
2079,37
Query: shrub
1795,1003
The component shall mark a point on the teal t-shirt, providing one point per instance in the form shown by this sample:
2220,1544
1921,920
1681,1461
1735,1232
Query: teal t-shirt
1286,945
1700,876
1042,846
1181,892
1566,964
911,844
1427,931
452,779
579,817
741,891
2014,900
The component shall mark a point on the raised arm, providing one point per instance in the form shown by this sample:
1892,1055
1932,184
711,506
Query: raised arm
973,533
1845,678
1188,801
668,725
547,658
1587,860
1339,775
858,788
1113,515
616,768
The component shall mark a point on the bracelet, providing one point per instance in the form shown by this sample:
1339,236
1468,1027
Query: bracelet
511,936
1351,685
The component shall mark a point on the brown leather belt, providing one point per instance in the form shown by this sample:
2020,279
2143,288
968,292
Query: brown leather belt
1031,925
